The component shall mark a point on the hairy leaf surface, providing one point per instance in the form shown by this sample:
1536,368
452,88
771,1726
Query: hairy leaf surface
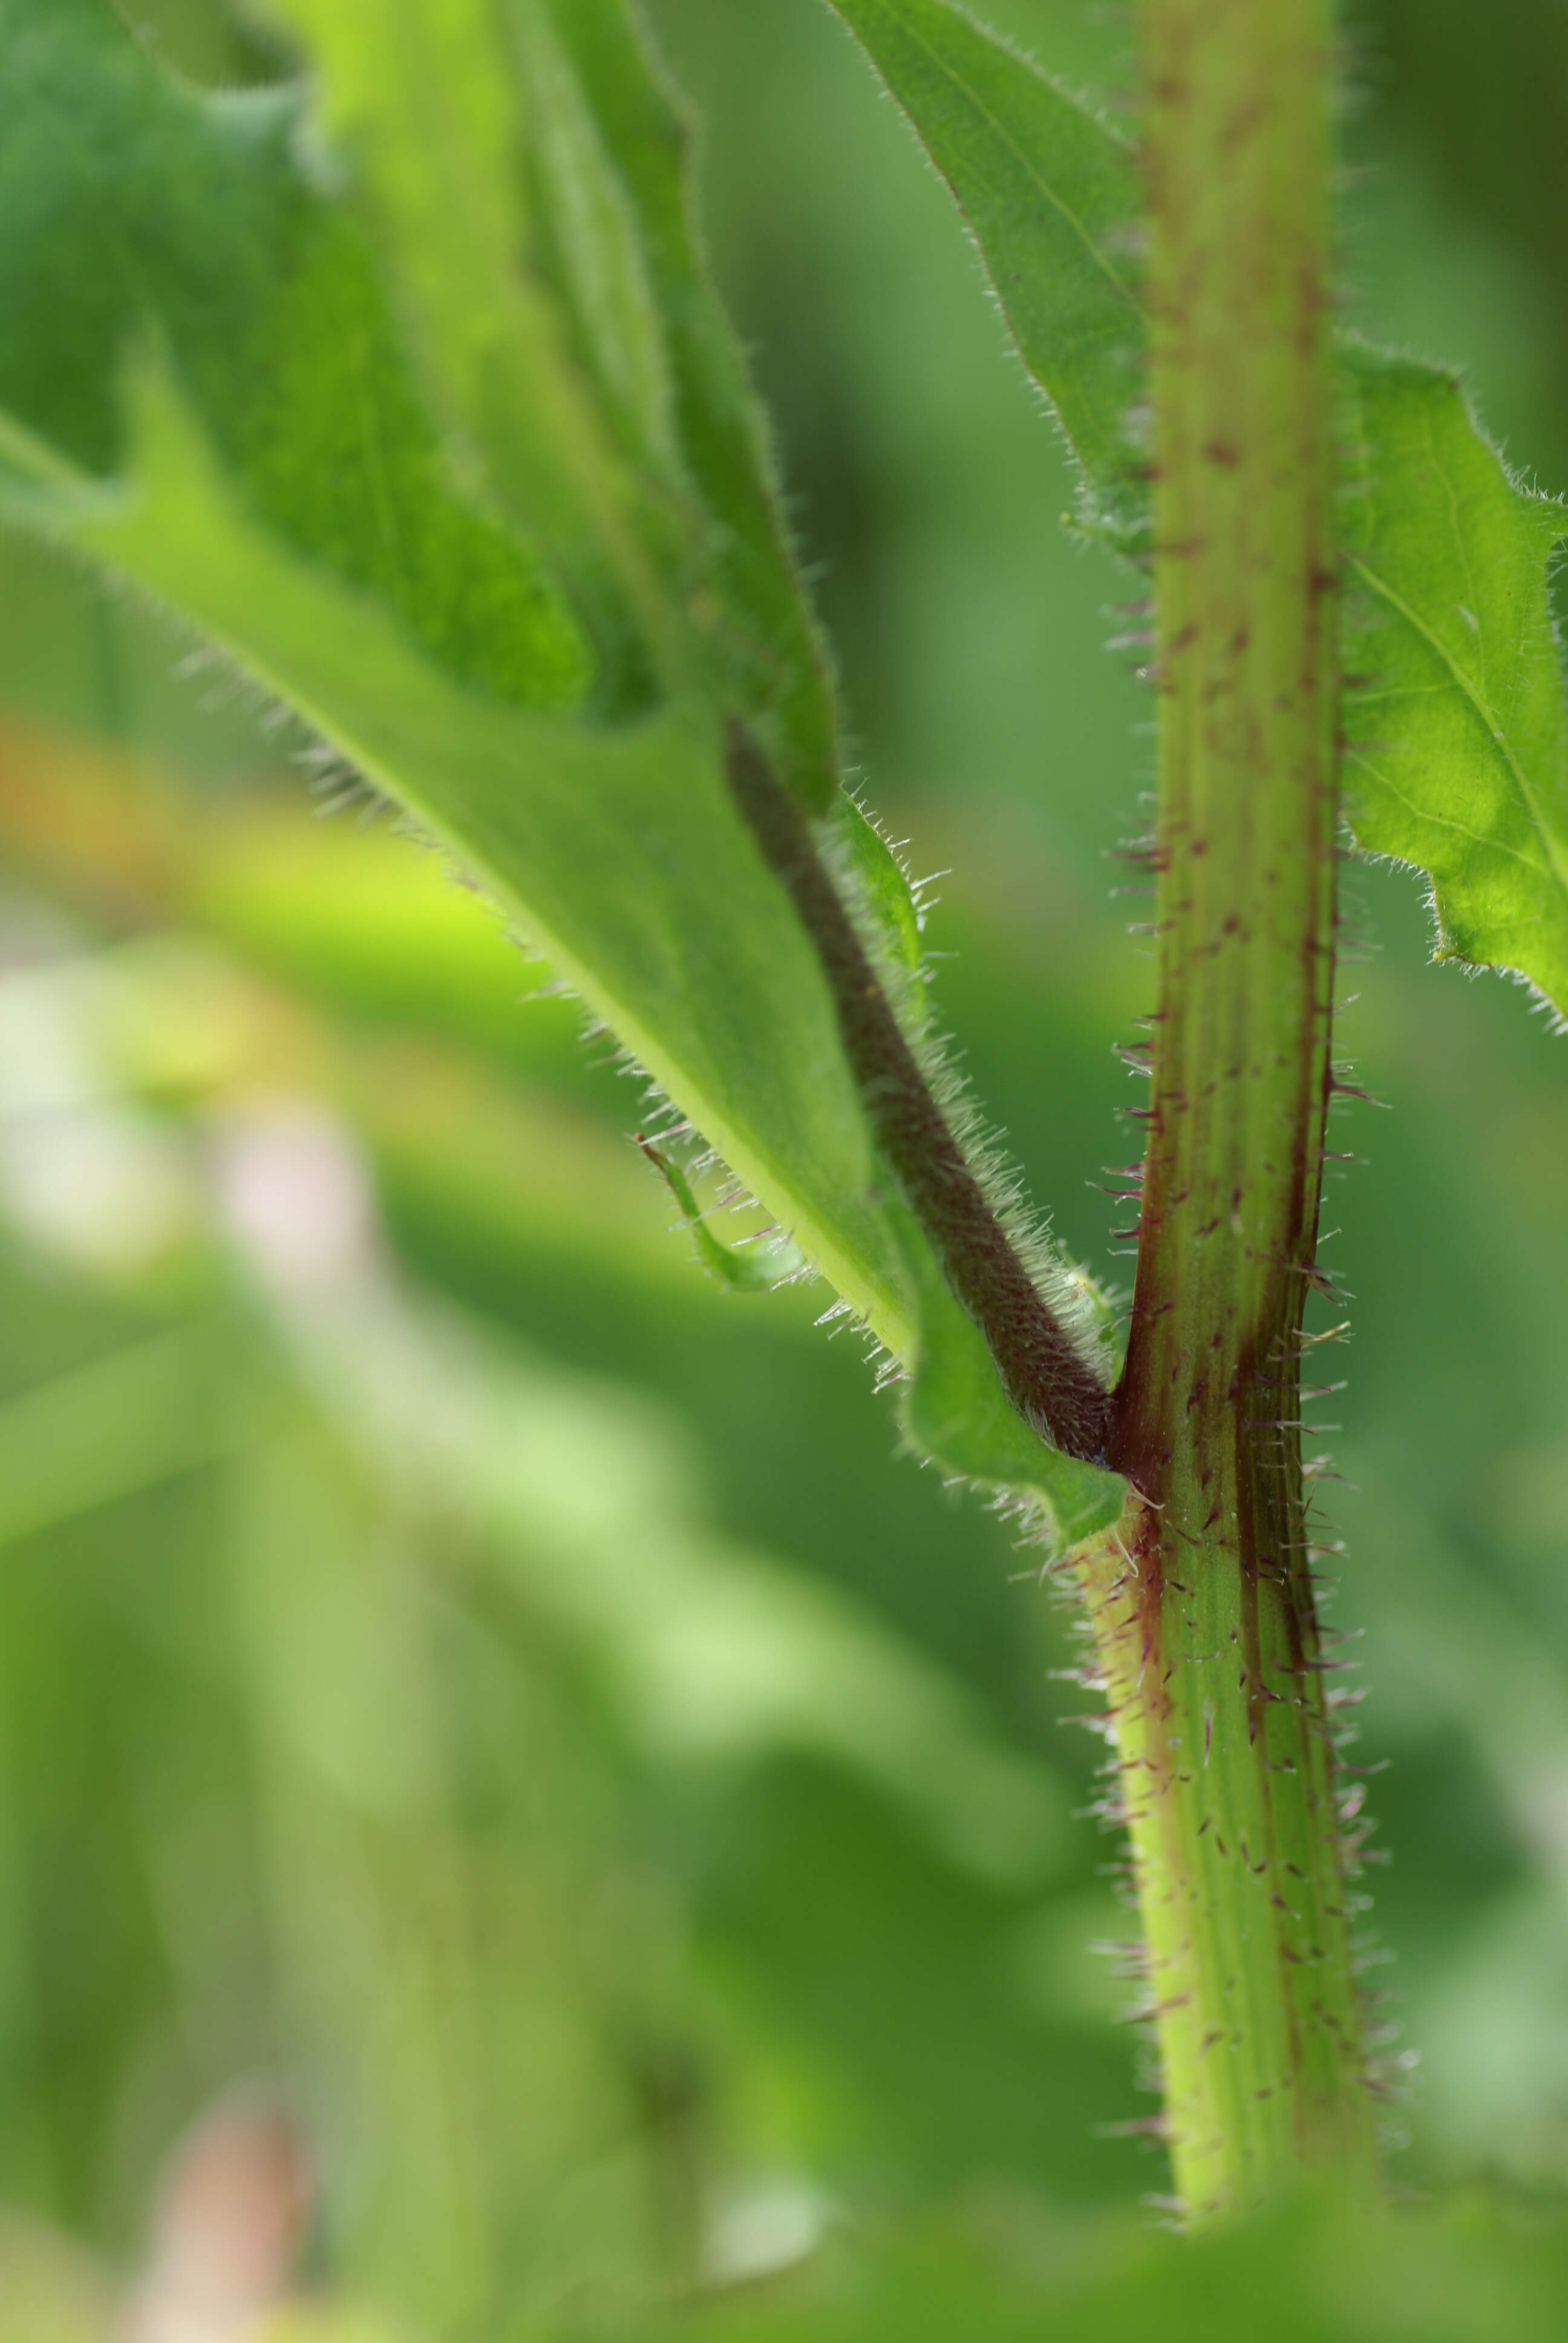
1459,737
136,209
599,380
206,383
769,644
1459,756
425,103
1051,195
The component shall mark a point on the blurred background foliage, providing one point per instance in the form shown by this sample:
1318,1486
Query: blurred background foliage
511,1795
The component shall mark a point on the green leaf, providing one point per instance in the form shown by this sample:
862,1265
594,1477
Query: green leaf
427,106
1459,756
191,218
957,1414
1051,195
599,384
595,242
231,423
767,648
1458,759
602,387
1454,2271
619,854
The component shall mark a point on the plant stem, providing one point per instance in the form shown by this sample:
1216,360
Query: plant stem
1202,1603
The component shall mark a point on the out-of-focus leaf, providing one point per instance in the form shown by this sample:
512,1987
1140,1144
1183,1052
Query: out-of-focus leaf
1458,759
129,1419
707,1650
50,2290
1455,2273
1459,738
321,2320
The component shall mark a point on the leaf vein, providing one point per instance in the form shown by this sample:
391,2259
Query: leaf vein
1557,857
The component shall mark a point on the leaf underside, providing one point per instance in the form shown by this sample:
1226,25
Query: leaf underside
1457,759
505,534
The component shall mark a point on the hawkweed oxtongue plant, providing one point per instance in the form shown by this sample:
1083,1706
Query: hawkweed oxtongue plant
403,384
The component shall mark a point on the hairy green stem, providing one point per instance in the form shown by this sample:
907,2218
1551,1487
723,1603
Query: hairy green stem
1204,1601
